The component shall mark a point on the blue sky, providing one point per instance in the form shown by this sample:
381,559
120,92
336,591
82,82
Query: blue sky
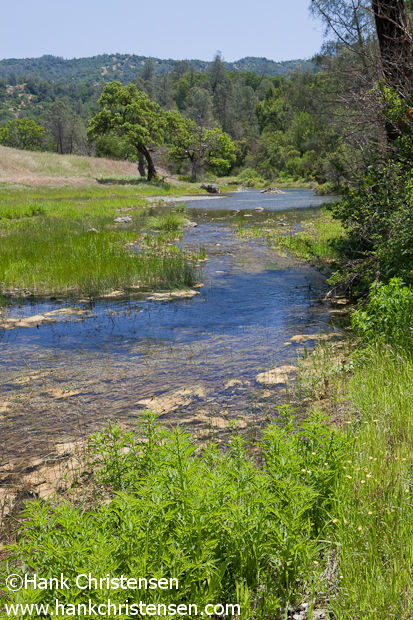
277,29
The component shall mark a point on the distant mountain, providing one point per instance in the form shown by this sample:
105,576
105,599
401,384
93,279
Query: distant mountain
126,67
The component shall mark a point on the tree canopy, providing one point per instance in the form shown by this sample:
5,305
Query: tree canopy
203,147
23,133
128,113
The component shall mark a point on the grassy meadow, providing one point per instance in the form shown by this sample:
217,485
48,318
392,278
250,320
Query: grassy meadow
59,241
39,168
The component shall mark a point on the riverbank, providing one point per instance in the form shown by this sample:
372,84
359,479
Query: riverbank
365,392
346,532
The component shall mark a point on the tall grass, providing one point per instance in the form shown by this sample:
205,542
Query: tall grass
372,537
317,240
59,252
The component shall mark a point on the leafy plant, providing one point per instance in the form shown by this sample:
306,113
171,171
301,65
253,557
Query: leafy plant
388,314
225,527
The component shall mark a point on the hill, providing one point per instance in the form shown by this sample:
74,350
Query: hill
35,168
126,67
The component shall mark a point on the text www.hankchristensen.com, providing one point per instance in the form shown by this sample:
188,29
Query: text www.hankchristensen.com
93,608
120,609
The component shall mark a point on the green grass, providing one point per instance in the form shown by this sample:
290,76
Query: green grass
168,223
372,540
48,249
317,242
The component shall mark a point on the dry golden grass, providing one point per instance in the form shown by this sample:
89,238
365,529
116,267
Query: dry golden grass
43,168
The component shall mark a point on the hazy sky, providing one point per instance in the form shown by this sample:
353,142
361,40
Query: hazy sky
277,29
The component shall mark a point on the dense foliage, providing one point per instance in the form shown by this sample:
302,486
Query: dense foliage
228,529
387,317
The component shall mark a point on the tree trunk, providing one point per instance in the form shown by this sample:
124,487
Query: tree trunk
195,168
60,138
141,165
149,161
396,45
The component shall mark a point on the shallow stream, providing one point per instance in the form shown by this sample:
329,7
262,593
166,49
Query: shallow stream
193,360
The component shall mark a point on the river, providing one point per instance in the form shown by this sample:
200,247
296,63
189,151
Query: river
195,361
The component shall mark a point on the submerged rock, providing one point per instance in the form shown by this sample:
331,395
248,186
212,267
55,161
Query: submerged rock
275,376
170,401
14,322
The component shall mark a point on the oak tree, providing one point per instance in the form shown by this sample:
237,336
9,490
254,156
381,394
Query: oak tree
129,113
202,147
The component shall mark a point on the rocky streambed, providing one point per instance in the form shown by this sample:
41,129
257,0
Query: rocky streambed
208,360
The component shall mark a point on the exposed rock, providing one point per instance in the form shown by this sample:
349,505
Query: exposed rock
189,224
38,319
211,188
259,209
272,190
94,230
306,337
275,376
122,219
170,295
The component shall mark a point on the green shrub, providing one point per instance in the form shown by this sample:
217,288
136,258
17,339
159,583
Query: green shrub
225,527
388,314
250,178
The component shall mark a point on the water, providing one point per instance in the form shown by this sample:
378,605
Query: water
249,199
194,360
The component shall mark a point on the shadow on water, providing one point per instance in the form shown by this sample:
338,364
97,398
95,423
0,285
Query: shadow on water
192,360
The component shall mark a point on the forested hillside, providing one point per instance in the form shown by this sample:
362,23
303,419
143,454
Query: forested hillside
126,67
275,122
